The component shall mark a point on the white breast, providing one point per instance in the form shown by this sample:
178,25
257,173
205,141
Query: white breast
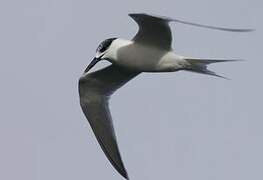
141,57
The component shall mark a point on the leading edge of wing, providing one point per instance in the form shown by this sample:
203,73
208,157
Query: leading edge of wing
153,31
102,127
95,90
167,19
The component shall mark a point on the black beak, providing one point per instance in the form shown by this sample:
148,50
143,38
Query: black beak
92,63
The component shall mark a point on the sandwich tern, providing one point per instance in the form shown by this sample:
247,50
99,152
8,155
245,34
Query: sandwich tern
149,51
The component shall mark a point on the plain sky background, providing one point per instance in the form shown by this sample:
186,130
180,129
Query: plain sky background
180,125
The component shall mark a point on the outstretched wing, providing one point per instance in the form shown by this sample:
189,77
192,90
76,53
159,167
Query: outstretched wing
155,30
94,91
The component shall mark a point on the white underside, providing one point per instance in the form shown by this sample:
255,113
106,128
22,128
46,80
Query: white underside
144,58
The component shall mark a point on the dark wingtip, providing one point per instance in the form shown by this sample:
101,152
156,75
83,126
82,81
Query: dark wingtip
212,27
126,176
124,173
238,30
251,30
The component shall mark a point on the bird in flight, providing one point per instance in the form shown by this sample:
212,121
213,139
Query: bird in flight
149,51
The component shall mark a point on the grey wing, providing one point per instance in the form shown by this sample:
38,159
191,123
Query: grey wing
94,91
155,30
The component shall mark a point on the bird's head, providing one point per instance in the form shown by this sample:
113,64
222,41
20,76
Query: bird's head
101,52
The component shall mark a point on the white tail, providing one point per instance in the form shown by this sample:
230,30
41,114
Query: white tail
200,65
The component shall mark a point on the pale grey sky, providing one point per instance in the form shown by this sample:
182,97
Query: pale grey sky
186,126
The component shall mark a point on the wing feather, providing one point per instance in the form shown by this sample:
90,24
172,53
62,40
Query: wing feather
155,30
95,90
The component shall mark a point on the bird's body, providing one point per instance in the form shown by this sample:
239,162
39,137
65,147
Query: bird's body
143,58
149,51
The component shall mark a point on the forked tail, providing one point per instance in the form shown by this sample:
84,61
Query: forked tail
200,65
